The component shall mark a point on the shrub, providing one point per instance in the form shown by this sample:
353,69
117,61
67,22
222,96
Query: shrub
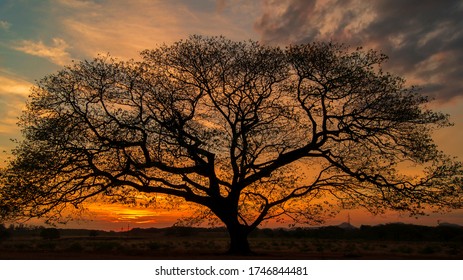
75,247
50,233
4,234
106,246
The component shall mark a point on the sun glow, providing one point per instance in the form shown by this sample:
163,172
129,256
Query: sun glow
114,213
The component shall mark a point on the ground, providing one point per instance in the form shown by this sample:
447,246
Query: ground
213,245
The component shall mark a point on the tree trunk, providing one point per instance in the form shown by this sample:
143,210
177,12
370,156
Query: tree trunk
226,210
239,244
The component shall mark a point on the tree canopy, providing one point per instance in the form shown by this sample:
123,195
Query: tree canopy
248,131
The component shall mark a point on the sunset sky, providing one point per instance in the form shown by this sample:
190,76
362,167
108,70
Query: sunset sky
423,39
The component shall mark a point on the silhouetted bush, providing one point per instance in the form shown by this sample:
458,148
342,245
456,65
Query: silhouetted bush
407,232
75,247
106,246
181,231
154,245
4,234
50,233
47,246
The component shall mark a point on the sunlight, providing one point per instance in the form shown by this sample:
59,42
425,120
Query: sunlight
113,213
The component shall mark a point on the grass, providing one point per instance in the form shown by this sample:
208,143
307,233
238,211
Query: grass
207,247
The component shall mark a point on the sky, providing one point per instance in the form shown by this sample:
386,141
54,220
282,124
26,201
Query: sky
423,39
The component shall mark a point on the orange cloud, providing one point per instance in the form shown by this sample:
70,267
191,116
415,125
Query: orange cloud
10,86
123,214
13,93
125,28
56,53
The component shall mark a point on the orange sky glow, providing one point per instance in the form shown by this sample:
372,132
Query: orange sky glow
40,37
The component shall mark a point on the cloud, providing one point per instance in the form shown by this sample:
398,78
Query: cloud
298,21
5,25
220,5
125,28
422,38
425,45
13,93
56,52
13,86
136,216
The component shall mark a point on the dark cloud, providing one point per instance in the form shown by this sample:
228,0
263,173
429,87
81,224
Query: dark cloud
281,23
423,38
299,21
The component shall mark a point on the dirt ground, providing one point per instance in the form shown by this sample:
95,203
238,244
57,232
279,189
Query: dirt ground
190,248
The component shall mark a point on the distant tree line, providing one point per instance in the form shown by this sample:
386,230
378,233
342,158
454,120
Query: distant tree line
390,232
22,230
386,232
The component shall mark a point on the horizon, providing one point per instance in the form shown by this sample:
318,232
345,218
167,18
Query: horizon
367,220
129,227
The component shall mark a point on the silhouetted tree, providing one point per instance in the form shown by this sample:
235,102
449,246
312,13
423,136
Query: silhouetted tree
249,132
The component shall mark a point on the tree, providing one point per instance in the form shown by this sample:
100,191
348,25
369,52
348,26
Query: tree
248,132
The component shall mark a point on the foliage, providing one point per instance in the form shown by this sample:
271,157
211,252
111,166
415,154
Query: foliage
248,132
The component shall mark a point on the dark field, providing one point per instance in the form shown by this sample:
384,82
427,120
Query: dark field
379,242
